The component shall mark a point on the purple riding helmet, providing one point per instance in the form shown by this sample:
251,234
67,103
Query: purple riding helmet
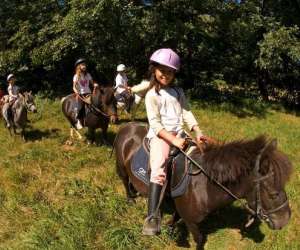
166,57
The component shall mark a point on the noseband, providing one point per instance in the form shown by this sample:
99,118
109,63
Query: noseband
28,105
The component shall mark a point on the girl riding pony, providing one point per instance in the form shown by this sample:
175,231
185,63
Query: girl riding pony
167,110
13,93
82,85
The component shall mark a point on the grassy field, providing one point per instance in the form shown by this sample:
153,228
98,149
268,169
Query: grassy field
54,196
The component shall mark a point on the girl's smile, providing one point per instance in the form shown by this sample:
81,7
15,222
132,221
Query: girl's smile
164,75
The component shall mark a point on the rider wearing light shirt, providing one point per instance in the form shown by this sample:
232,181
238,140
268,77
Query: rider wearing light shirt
82,82
122,89
13,92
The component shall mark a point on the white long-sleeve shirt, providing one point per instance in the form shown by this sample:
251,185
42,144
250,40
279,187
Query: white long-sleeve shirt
141,88
121,82
168,110
13,91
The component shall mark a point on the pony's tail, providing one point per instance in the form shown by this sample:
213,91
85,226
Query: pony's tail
113,146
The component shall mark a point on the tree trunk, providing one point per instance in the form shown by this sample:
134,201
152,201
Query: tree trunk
262,82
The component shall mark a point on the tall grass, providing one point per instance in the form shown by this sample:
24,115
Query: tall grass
54,196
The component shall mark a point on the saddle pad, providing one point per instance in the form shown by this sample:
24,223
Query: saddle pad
178,175
139,165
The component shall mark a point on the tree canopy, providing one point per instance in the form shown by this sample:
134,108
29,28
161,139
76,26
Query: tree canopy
243,43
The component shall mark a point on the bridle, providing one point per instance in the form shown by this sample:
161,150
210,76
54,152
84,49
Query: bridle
25,103
259,212
28,105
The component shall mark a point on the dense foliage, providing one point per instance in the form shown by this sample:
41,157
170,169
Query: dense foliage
249,44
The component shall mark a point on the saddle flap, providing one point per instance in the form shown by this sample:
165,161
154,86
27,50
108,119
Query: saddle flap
180,177
139,165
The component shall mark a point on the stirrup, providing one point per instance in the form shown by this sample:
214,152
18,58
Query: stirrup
151,226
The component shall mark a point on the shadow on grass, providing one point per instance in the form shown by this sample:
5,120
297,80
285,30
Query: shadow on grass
228,218
37,134
99,139
237,101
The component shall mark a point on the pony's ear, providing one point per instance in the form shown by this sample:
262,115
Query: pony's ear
30,92
101,91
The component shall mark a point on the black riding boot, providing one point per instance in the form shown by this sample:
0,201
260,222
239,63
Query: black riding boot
152,222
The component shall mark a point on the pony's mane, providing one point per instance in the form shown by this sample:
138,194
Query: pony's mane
228,162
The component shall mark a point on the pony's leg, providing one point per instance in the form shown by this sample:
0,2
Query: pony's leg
197,235
10,133
104,135
71,132
131,193
175,218
23,135
91,136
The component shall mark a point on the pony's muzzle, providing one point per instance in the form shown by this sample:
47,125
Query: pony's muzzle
33,109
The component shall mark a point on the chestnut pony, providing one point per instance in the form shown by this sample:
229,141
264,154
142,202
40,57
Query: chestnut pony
253,170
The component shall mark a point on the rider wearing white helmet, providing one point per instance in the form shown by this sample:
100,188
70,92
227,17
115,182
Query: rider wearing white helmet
121,81
122,88
13,92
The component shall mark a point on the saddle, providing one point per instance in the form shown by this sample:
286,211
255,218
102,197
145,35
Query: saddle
179,168
87,99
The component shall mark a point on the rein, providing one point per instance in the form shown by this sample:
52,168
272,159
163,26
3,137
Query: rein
95,108
259,211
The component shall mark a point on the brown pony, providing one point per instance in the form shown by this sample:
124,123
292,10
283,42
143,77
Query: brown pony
253,170
102,111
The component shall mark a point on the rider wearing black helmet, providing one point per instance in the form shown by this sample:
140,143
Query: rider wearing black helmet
82,85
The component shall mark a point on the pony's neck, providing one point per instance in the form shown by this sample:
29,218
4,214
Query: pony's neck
96,98
219,197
